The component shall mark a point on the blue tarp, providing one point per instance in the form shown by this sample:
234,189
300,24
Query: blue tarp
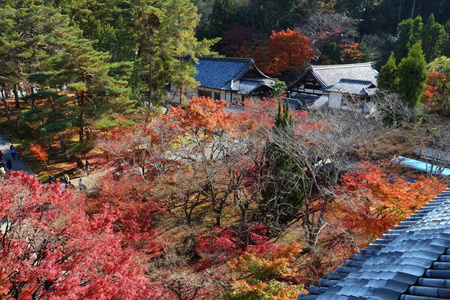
420,165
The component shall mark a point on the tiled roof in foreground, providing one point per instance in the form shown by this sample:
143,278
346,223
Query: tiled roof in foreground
410,262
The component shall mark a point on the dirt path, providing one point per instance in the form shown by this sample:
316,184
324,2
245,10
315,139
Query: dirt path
90,181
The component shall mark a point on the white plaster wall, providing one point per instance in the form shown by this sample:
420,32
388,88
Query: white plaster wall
334,100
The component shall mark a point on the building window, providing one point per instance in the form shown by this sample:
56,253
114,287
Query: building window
217,95
203,93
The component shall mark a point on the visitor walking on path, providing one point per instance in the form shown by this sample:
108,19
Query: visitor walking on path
81,185
2,172
13,151
1,155
19,165
9,164
87,167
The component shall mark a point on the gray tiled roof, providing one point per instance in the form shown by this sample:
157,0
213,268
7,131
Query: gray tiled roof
350,86
248,86
410,262
224,74
329,75
332,74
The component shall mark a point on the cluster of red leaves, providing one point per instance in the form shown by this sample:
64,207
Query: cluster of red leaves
371,201
274,54
51,249
222,244
38,152
288,50
129,199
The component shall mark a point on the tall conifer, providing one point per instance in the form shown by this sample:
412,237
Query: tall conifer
412,75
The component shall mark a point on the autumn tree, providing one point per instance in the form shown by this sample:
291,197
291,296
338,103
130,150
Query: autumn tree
263,272
369,201
323,144
288,50
437,86
52,249
39,152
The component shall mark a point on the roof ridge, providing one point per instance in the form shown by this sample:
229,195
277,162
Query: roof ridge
243,59
342,65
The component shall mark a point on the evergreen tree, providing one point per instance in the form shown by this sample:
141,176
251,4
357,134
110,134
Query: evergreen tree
284,184
412,75
221,18
433,39
409,33
51,54
388,78
167,47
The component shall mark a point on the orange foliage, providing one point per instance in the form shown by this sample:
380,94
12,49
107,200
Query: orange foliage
371,201
351,53
38,152
201,114
267,274
437,91
288,50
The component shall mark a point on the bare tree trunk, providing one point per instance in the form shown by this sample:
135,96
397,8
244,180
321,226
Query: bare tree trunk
413,7
33,101
8,116
16,95
82,97
150,60
52,104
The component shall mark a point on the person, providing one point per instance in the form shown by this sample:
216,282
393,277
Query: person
87,166
51,179
2,171
13,151
81,185
9,164
66,177
1,155
19,154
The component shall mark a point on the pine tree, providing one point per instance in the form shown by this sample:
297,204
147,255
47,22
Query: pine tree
433,38
412,75
166,35
388,78
51,54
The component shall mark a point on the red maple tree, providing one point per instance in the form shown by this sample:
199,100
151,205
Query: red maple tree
51,249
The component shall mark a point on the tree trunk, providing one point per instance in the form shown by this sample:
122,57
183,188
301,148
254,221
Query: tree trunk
16,96
82,96
33,101
8,116
150,61
52,104
181,80
413,8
